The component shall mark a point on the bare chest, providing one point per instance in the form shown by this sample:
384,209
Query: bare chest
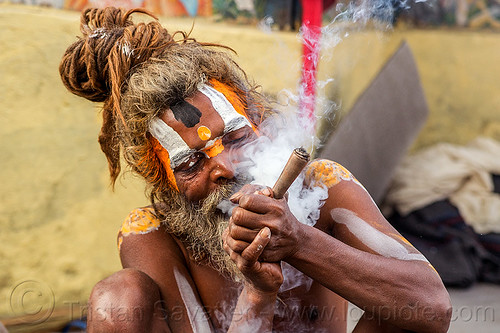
302,306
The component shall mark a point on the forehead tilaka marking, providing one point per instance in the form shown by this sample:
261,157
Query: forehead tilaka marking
204,133
177,148
186,113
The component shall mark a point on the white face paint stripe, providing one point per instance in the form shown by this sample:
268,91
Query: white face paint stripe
196,314
373,238
232,119
177,148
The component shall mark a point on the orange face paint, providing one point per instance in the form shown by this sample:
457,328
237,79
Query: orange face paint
162,154
233,98
204,133
214,149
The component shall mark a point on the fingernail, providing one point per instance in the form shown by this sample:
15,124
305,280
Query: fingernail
265,233
267,192
235,197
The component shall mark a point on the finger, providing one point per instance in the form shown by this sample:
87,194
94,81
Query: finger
236,257
224,241
226,248
232,254
242,234
267,191
255,249
247,219
231,245
246,189
236,197
257,203
236,245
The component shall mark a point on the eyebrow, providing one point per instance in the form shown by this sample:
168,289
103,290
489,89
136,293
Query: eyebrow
232,119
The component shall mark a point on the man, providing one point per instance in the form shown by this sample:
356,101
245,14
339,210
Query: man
183,113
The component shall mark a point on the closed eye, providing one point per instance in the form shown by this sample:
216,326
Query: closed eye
238,137
192,164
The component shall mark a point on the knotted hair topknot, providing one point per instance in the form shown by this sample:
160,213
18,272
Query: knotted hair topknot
98,64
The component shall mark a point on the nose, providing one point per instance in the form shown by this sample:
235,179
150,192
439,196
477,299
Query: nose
221,168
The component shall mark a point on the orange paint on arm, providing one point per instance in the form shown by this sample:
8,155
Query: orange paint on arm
410,244
139,221
433,268
321,173
327,173
402,238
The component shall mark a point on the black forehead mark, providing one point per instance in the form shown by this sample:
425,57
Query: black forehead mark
187,113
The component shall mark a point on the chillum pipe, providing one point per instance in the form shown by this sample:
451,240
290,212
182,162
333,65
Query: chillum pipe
295,164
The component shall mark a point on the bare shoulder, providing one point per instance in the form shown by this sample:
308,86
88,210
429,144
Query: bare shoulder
143,242
344,190
351,215
139,221
323,172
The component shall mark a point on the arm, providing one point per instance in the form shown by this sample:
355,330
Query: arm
159,255
367,262
387,277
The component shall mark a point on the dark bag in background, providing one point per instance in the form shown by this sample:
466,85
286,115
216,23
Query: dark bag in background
461,256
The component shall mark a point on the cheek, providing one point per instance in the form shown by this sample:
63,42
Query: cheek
194,189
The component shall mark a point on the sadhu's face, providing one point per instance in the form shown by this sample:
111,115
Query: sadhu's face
203,136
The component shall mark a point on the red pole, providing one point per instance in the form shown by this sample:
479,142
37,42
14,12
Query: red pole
312,11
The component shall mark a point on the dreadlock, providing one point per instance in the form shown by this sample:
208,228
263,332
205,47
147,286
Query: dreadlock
139,70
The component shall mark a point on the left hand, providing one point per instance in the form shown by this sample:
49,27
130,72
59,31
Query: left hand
256,210
263,279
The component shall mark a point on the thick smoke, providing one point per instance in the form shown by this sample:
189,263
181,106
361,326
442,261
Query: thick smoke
269,154
291,129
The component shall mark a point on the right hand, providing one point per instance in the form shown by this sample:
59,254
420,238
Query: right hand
261,277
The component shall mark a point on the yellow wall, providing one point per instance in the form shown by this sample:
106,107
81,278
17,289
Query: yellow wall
459,70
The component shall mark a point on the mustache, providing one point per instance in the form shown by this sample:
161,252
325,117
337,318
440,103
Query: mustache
218,200
224,204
